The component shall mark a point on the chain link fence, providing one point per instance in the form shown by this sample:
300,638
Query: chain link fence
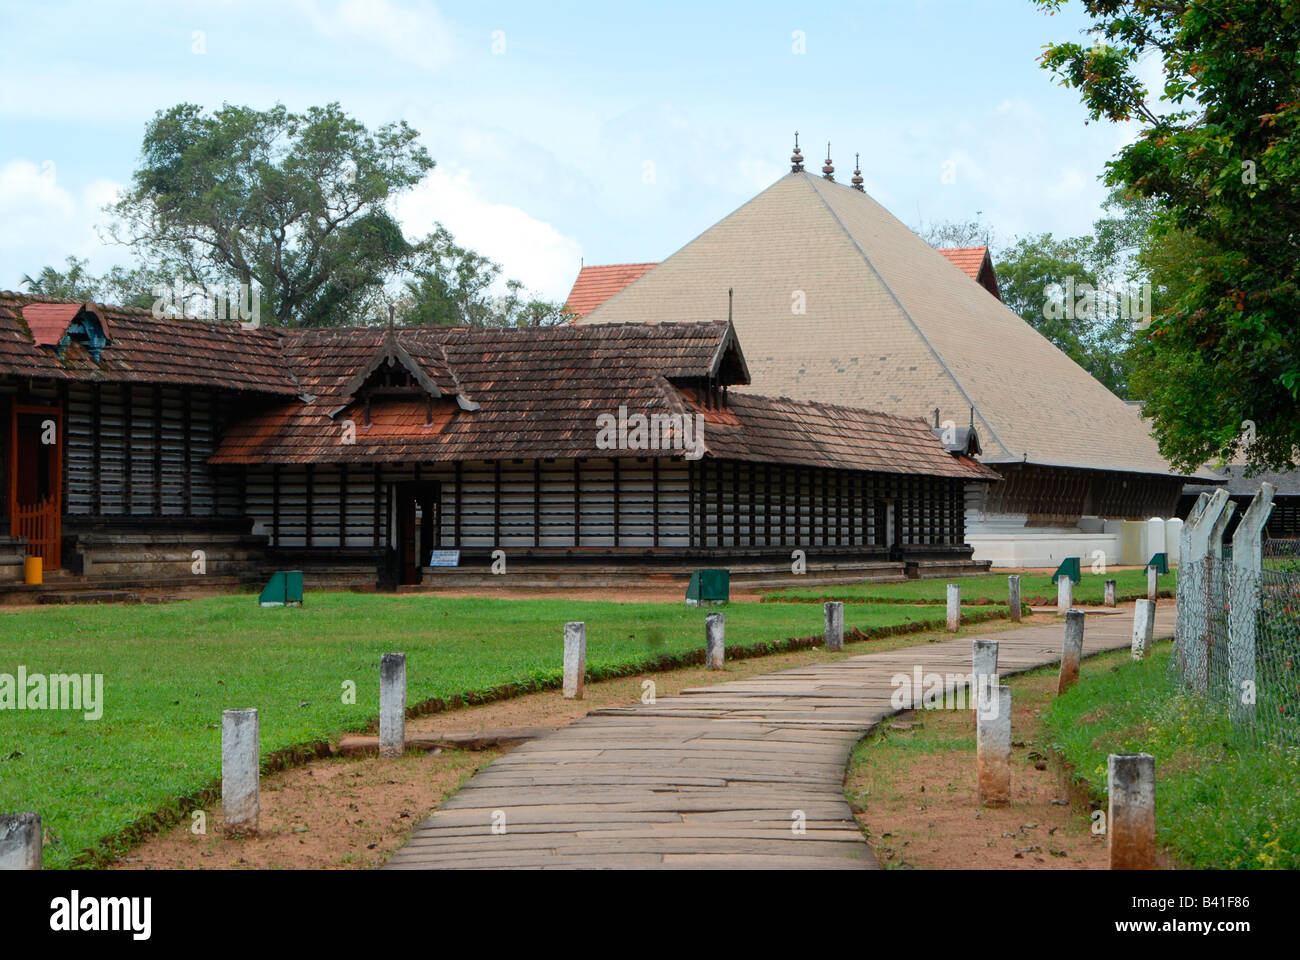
1237,641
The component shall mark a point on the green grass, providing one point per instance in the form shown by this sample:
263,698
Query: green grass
1036,589
170,670
1220,803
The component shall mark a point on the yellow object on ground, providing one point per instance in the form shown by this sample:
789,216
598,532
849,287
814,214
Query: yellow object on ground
33,571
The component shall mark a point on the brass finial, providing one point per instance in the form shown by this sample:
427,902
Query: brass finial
857,173
828,172
796,161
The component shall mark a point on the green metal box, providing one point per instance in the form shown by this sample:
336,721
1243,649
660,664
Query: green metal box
1070,567
709,587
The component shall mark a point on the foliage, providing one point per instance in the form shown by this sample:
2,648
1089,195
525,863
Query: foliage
1218,153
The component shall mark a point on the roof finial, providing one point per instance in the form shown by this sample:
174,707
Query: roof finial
796,161
828,171
857,173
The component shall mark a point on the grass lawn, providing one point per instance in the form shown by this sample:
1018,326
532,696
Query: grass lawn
170,670
1035,589
1216,807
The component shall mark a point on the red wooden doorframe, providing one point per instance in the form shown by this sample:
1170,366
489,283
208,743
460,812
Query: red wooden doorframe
36,513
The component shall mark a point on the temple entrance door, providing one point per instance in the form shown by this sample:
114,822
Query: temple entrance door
417,528
36,481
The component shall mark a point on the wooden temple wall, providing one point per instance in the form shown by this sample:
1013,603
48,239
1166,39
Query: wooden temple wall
626,503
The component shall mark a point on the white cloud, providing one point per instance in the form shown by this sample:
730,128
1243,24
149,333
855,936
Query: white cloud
43,222
529,250
412,34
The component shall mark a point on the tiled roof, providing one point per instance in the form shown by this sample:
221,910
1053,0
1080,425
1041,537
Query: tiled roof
886,324
48,321
539,391
595,285
141,349
967,259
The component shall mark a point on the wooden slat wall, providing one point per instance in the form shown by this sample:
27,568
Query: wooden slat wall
160,469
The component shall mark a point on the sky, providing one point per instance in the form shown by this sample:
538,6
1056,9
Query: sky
565,132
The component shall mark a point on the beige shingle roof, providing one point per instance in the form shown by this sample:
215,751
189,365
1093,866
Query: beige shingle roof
888,324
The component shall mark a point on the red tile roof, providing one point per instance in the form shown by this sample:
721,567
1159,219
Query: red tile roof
976,263
595,285
539,392
49,321
141,348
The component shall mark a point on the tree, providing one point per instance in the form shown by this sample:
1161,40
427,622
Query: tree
956,233
296,204
120,286
1219,157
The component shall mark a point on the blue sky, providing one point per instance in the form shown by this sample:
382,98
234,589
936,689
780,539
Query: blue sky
604,132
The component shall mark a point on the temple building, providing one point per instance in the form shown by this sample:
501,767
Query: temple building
135,449
838,302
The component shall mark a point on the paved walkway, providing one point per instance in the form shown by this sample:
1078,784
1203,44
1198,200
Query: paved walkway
710,778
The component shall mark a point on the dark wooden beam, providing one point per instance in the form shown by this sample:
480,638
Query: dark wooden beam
654,500
618,515
537,503
577,502
459,485
187,427
157,451
127,429
275,505
343,505
311,484
378,494
96,447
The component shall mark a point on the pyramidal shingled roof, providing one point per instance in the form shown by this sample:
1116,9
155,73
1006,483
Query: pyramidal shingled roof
837,301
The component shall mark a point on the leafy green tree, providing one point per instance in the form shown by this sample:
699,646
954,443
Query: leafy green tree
293,203
1219,156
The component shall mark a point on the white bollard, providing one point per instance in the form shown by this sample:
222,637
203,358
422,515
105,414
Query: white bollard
834,617
954,607
240,771
20,841
1071,651
1131,813
1153,581
984,669
575,659
1013,597
392,704
993,747
1064,594
715,650
1144,615
1110,593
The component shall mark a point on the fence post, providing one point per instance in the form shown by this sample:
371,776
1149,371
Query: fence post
240,770
1064,594
1071,651
1195,595
20,841
1244,583
1131,811
1143,620
984,668
575,659
715,650
1110,593
993,747
392,704
833,614
1013,597
1153,581
954,607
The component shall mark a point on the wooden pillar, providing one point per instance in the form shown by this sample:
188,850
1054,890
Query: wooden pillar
654,499
275,505
343,505
378,494
310,480
127,429
460,483
187,428
96,447
157,451
618,514
717,469
496,503
690,502
753,502
767,505
537,503
577,503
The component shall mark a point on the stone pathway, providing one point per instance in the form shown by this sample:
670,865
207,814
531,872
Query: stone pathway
710,778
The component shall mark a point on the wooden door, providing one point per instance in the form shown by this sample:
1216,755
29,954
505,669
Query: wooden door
36,481
417,528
